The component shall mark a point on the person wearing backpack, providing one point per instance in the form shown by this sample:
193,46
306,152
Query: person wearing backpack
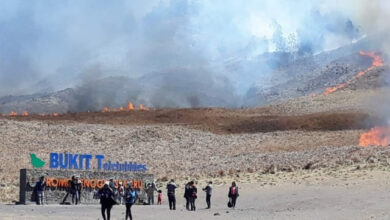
233,194
130,196
171,187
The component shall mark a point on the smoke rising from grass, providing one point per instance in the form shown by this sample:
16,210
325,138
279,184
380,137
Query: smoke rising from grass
168,53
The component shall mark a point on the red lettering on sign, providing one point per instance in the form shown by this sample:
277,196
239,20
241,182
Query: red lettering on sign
90,183
100,183
54,182
48,182
93,183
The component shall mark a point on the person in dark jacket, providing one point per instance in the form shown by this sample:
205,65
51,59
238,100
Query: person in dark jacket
130,197
233,194
106,200
193,195
208,189
171,187
79,186
111,184
150,193
75,189
39,189
187,195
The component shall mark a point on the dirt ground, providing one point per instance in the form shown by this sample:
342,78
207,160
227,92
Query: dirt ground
301,136
346,194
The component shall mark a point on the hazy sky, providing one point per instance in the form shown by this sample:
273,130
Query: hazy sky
50,45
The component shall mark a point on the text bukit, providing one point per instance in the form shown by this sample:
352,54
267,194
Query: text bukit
83,162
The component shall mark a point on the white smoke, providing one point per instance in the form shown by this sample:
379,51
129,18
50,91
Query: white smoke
51,46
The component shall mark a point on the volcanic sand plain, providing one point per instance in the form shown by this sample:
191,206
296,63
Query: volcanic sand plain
292,159
346,193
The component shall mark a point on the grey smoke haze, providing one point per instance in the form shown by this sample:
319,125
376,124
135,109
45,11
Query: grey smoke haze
168,53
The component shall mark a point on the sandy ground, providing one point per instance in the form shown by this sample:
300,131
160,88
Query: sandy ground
344,194
167,150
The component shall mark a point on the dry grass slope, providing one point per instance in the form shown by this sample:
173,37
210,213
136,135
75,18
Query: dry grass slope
303,133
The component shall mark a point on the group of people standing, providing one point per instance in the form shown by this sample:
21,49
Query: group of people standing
75,187
110,195
190,194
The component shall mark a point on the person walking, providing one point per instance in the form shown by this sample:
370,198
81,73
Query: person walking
187,195
208,189
106,200
39,189
193,195
233,194
171,187
121,193
130,197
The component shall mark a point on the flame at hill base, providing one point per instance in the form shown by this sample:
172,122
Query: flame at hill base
130,107
377,136
142,107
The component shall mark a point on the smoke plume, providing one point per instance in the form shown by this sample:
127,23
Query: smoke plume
169,53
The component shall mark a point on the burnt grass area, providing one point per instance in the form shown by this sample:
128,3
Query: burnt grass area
221,121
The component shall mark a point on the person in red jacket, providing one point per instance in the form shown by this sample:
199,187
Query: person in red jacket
159,197
233,194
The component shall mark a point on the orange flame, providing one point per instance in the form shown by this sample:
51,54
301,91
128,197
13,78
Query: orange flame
130,106
377,136
25,113
334,89
13,113
55,114
377,61
142,107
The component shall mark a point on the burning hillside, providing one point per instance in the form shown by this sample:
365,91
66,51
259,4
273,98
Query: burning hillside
177,88
379,135
377,61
